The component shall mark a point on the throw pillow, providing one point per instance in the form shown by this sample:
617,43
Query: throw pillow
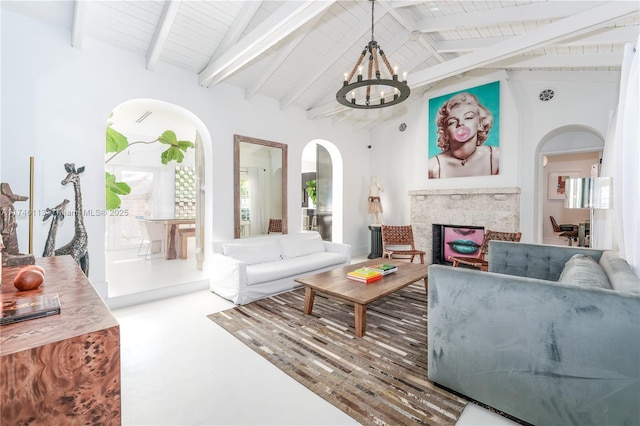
584,271
268,251
620,274
301,246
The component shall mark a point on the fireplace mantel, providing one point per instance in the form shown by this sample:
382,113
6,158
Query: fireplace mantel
497,209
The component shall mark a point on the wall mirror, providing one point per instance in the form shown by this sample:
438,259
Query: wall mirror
260,186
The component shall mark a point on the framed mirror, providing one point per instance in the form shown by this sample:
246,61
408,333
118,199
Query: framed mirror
260,186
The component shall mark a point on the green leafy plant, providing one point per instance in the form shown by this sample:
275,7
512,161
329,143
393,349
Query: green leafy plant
311,190
117,142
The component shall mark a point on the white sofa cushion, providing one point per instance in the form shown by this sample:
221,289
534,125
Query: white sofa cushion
301,246
270,271
253,253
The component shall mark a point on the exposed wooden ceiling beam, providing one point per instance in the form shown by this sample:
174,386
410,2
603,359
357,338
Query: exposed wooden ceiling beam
552,33
240,24
291,16
279,60
613,35
505,15
162,32
561,61
79,23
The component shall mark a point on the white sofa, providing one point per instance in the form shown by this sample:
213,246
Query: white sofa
248,269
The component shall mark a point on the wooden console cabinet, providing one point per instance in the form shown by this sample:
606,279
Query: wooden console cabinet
63,369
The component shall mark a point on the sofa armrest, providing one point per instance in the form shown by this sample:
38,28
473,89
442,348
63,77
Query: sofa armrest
523,345
228,275
340,248
540,261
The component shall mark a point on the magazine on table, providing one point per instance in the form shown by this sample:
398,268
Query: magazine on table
384,268
16,308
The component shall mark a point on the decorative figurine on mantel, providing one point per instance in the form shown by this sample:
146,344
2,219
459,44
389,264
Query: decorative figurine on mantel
78,246
11,255
375,206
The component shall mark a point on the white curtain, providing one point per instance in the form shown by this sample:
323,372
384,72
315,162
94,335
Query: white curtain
619,228
256,195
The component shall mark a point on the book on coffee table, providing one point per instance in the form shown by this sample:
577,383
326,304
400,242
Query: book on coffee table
364,275
384,268
18,307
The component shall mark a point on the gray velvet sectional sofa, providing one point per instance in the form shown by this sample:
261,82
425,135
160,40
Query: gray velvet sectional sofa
539,340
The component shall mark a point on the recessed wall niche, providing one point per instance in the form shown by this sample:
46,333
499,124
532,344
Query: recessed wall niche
185,195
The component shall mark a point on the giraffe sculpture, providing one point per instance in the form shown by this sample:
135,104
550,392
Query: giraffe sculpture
78,246
57,213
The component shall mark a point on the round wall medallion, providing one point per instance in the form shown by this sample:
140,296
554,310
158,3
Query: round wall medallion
546,95
403,127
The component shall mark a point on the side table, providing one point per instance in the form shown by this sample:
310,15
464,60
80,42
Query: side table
62,369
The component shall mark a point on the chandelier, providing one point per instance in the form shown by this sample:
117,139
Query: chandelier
352,96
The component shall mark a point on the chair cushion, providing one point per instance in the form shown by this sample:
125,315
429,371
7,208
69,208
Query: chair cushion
252,253
584,271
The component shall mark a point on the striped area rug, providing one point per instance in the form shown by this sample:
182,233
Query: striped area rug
378,379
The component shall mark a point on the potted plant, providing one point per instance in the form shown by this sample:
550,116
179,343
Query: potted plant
117,142
311,190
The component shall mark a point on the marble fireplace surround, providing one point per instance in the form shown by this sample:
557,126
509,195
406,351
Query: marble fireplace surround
497,209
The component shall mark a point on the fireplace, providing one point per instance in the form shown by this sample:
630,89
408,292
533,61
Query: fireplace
455,240
496,209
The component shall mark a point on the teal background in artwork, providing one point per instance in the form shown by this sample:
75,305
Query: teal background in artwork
488,95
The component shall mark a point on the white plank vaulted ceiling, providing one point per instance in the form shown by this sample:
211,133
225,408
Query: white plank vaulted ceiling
296,52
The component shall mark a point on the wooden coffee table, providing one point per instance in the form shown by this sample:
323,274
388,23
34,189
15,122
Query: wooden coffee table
335,284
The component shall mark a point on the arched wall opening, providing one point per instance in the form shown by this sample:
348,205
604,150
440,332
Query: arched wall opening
129,118
338,183
575,147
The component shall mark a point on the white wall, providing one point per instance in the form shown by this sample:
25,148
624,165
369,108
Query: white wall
55,104
582,100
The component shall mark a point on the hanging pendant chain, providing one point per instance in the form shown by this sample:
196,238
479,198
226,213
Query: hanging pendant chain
373,2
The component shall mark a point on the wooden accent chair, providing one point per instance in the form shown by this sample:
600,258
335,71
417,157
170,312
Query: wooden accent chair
480,261
398,240
568,231
275,226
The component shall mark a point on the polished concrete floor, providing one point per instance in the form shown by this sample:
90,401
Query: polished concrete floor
179,368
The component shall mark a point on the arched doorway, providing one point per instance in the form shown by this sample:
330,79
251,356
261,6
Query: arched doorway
569,150
158,192
313,167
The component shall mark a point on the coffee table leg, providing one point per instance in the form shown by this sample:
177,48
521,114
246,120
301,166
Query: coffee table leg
361,319
309,297
426,285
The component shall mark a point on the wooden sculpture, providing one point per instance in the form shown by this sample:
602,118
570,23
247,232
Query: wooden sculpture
11,255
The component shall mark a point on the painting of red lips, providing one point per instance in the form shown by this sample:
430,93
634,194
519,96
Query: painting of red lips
462,241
